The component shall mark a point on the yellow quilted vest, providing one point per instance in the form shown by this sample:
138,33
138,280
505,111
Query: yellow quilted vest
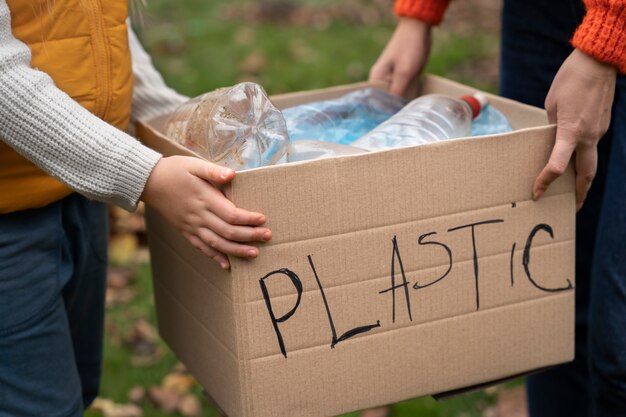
83,46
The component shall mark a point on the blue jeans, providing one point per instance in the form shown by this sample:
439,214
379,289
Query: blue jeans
535,41
52,283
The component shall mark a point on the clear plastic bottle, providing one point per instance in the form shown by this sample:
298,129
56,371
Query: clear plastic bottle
237,127
344,119
306,150
426,119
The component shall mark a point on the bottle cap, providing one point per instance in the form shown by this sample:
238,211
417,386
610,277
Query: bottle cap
476,103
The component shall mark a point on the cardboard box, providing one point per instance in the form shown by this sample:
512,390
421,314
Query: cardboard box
391,275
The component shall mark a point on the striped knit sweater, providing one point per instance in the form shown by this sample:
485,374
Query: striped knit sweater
602,34
69,143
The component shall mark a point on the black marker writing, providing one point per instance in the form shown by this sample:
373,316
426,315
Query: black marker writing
420,241
473,226
349,333
296,283
395,252
512,256
526,258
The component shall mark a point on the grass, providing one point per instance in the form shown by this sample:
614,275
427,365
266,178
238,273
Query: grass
198,50
201,51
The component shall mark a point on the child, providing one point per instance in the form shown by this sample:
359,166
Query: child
66,86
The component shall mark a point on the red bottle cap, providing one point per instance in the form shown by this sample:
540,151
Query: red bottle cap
474,104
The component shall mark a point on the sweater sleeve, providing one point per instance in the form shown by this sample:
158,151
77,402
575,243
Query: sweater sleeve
151,96
602,34
429,11
49,128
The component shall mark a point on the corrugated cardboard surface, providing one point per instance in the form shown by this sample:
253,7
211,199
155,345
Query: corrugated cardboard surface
438,251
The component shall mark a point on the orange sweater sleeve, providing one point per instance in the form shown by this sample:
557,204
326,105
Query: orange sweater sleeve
602,34
430,11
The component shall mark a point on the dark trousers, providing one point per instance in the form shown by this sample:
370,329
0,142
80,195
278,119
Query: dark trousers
535,42
52,284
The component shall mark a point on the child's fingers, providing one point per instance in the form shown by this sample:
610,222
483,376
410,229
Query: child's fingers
218,243
218,257
236,233
231,214
211,172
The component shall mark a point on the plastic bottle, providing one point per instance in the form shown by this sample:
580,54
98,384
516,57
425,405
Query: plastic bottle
237,127
426,119
344,119
306,150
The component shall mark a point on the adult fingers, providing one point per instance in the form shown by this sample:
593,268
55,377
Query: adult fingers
557,164
400,80
586,166
381,70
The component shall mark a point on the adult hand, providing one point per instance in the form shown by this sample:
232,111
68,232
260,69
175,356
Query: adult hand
185,191
404,57
579,102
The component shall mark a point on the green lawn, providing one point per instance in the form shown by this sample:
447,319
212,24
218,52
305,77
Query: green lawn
198,48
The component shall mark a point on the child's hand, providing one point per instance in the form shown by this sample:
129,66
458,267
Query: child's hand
183,190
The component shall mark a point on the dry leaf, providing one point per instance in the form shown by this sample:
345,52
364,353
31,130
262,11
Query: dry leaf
122,249
178,382
164,399
512,403
189,406
137,394
119,296
180,368
141,332
148,360
376,412
118,278
110,409
142,339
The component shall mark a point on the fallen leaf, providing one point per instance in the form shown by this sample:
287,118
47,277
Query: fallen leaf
122,249
512,403
142,331
180,368
189,406
178,382
376,412
137,394
119,296
118,278
110,409
142,339
164,399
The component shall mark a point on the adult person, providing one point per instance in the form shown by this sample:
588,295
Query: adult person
565,55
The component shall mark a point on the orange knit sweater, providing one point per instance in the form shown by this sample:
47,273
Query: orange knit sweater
602,34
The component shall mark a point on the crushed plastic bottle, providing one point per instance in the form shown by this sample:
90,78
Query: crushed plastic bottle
426,119
490,121
236,127
305,150
342,120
